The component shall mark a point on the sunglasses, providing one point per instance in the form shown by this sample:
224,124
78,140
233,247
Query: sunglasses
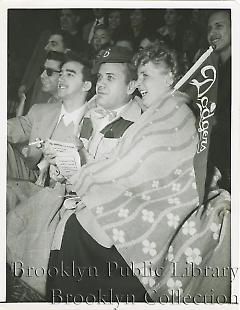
50,71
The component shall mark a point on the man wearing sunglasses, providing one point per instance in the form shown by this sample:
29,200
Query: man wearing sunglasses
43,120
58,41
50,74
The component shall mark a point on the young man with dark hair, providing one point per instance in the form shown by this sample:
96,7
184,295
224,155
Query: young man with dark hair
45,121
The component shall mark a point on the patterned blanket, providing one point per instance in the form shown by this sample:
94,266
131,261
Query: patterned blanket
144,200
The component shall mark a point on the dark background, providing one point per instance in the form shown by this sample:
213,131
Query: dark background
25,27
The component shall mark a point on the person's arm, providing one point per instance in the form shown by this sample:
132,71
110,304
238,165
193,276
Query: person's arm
19,128
21,91
217,196
20,108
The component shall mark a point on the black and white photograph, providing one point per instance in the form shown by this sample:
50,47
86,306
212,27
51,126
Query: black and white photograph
120,130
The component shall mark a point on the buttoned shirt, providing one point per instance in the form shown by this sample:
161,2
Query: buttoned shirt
74,117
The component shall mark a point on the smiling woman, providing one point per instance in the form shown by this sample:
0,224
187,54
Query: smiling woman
158,70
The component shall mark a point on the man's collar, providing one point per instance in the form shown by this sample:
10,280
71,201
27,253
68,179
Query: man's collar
130,111
73,116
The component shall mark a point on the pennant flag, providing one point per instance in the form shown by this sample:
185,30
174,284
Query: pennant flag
200,83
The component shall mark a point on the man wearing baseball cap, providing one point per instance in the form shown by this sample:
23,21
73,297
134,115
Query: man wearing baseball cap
103,125
115,109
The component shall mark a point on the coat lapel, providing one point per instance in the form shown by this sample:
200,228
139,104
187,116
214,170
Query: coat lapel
50,121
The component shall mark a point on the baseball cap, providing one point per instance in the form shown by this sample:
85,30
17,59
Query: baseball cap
113,54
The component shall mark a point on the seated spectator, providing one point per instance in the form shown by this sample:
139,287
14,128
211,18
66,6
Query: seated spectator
89,28
59,41
190,45
115,108
125,40
149,40
49,79
101,38
45,121
16,164
219,35
50,74
70,22
137,28
115,24
170,31
199,17
100,41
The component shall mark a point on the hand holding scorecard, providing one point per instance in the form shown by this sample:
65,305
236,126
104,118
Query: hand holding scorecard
67,157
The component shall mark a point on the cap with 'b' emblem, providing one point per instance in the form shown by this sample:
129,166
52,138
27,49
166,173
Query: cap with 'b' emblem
114,54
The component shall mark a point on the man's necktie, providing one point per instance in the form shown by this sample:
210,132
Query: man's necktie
102,113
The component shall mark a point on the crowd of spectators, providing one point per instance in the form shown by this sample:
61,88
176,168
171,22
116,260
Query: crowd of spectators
88,31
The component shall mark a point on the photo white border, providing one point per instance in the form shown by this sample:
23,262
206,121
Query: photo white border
235,213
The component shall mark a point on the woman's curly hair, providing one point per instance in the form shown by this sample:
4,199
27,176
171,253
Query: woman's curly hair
157,54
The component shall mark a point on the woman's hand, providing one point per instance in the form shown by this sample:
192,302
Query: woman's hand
21,91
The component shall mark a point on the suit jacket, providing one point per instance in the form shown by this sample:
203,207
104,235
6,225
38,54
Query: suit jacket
40,122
